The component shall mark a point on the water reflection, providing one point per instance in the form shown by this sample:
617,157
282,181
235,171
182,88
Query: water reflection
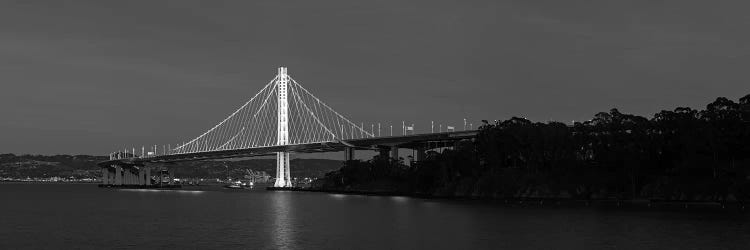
284,220
400,199
283,226
338,196
163,190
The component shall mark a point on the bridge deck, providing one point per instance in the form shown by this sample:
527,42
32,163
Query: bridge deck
405,141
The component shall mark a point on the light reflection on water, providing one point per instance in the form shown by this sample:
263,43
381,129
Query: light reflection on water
84,216
163,190
338,196
400,199
283,225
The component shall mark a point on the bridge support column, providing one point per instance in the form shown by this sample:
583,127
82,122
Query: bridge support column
111,175
283,177
171,176
147,180
420,154
394,153
282,127
348,154
128,176
141,176
118,175
105,176
133,177
131,180
383,152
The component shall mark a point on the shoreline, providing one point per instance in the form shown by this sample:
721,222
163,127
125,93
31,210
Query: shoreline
656,204
53,182
651,204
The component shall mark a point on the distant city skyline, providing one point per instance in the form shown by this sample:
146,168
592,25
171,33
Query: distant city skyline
92,77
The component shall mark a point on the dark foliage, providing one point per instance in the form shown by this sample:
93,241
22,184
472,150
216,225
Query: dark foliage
683,154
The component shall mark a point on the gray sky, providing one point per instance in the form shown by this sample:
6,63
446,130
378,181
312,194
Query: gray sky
91,77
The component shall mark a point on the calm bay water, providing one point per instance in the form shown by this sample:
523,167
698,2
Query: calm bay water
84,216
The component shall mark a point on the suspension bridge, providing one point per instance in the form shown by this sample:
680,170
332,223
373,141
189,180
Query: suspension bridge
282,118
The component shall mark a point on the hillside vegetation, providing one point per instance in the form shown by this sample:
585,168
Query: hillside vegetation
683,154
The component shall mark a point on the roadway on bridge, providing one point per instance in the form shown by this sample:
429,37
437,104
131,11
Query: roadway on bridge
417,141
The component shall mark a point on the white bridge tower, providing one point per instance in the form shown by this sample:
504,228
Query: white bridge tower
282,158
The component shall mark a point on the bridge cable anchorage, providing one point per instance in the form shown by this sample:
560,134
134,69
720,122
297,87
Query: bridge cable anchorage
255,123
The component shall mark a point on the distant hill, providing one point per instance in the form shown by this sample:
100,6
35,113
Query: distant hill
84,166
22,166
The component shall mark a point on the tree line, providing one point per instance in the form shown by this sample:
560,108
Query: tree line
683,154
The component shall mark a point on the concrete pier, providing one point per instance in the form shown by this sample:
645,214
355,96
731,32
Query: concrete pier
111,175
171,176
118,175
141,176
105,176
349,154
420,154
131,177
147,171
134,176
394,153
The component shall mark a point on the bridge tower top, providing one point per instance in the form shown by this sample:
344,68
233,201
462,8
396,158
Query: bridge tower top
282,82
